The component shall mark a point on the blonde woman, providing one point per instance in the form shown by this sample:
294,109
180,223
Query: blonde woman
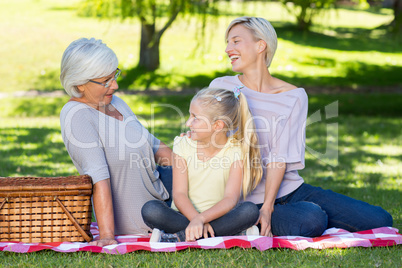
288,206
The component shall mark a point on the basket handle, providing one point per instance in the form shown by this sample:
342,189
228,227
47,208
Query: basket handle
74,221
4,201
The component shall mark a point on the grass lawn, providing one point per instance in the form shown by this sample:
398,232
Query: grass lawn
368,167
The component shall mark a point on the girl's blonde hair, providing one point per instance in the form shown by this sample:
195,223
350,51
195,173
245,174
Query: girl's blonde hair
222,104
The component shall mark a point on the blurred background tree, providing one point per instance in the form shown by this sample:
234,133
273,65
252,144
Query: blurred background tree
306,10
156,16
397,22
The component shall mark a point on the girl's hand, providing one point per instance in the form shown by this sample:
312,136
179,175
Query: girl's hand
195,229
265,221
208,229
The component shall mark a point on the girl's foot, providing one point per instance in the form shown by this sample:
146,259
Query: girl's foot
161,236
253,230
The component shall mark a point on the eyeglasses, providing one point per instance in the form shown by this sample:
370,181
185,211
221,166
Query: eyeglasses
109,82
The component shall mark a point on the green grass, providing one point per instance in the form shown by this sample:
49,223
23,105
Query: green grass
347,48
369,168
353,257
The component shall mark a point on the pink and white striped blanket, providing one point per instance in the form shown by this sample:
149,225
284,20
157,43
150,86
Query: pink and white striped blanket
332,238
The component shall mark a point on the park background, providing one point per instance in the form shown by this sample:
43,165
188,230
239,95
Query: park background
349,60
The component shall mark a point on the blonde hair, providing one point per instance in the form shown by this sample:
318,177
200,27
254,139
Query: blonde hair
222,105
261,30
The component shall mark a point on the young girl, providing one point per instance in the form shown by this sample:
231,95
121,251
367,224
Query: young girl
211,170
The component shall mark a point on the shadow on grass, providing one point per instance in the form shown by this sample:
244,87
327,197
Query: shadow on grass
375,104
38,107
32,151
359,140
351,73
346,39
147,79
354,74
171,107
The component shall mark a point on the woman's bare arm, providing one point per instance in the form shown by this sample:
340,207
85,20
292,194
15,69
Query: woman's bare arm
103,205
274,177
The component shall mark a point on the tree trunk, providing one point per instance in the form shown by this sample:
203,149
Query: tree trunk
303,20
149,47
397,22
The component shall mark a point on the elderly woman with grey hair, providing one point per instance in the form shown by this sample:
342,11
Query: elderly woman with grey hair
106,141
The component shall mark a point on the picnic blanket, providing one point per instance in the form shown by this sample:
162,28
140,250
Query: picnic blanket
332,238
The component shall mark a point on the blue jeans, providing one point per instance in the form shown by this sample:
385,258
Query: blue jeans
157,214
309,210
166,176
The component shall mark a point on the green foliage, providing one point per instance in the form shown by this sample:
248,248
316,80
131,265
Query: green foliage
99,8
306,10
345,48
156,16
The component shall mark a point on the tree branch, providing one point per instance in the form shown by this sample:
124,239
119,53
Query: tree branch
168,23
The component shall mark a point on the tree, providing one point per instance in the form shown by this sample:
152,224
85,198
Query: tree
397,22
156,16
306,10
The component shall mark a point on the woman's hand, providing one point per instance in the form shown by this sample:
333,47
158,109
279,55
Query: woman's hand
265,221
195,229
103,242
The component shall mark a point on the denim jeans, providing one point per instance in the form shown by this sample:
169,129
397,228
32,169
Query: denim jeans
309,210
165,175
157,214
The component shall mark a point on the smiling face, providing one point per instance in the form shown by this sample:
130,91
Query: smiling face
199,123
97,95
243,50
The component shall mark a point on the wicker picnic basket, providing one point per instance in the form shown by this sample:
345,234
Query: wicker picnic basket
39,209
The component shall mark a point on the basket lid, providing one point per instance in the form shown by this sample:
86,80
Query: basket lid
11,184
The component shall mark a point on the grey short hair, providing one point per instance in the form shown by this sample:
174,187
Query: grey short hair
85,59
261,30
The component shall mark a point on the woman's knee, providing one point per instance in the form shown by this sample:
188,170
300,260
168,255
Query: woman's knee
299,219
381,218
388,220
315,221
